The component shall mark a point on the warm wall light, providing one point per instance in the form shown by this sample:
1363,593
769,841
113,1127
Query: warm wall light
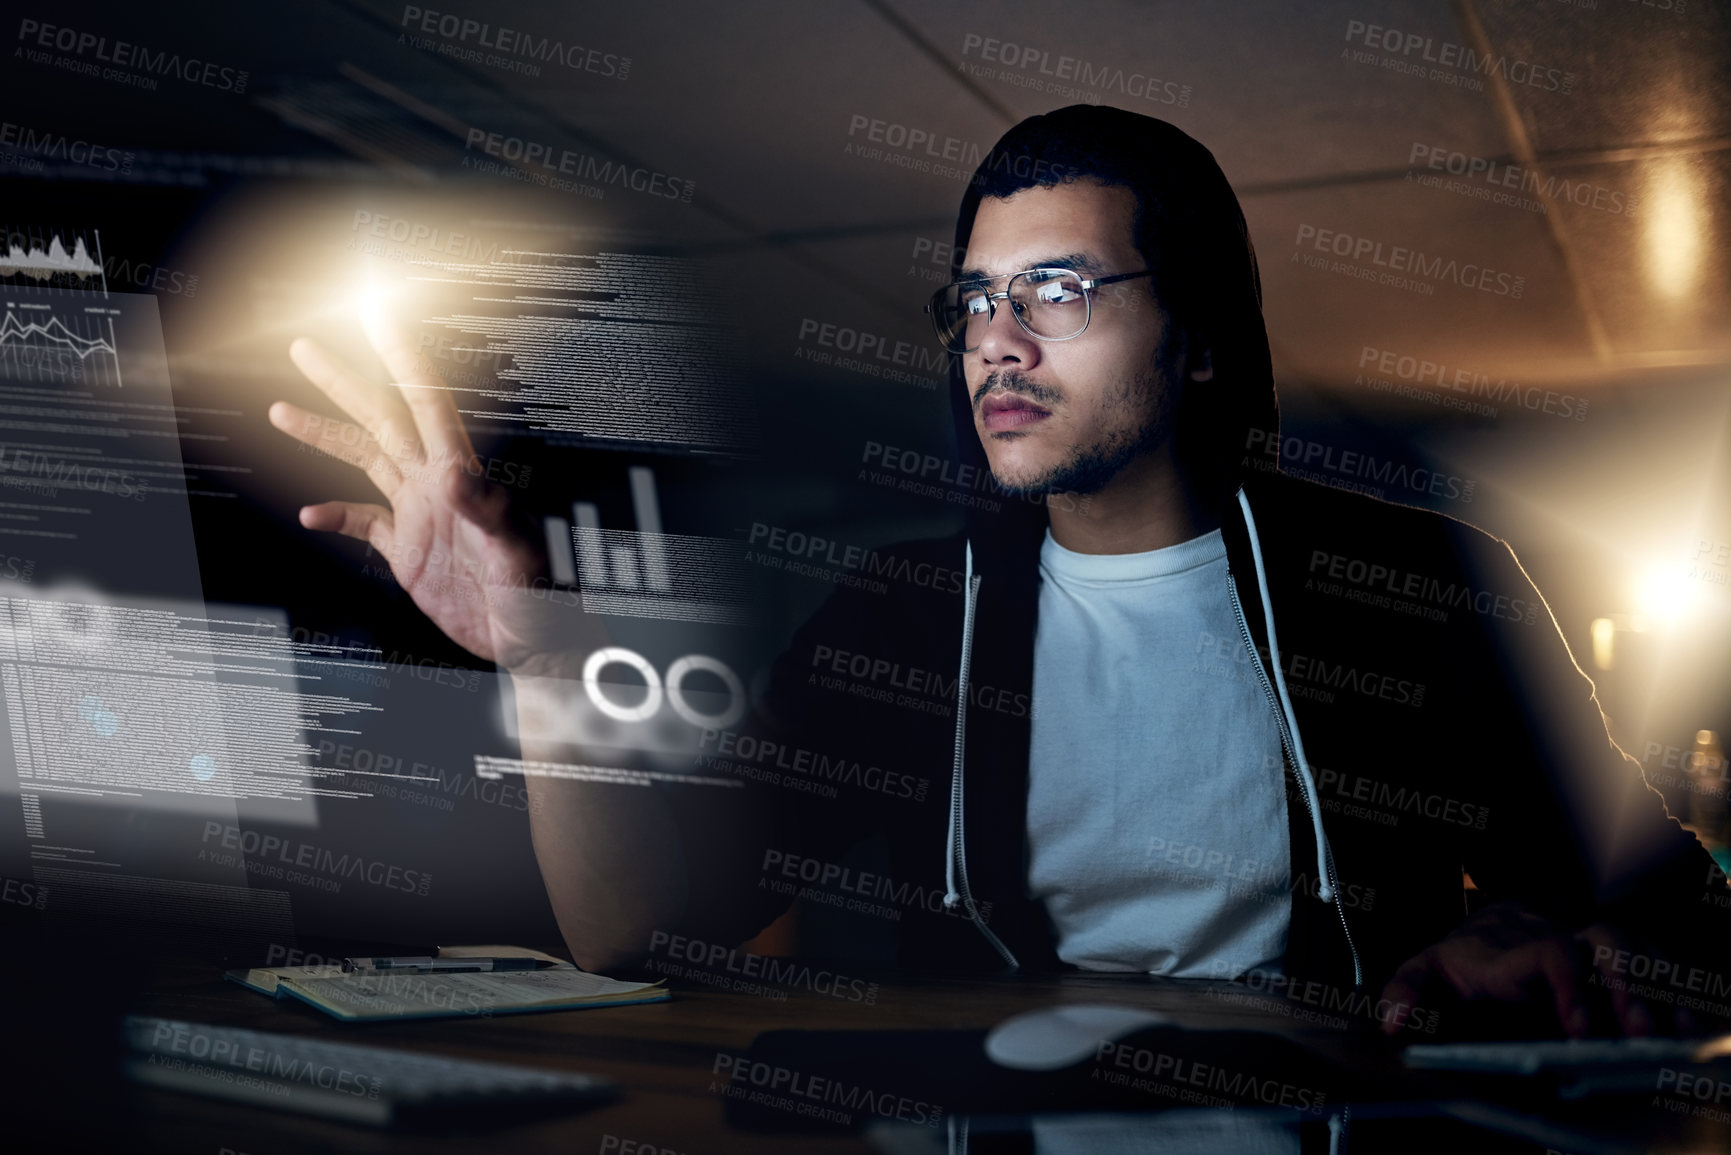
1673,228
1604,643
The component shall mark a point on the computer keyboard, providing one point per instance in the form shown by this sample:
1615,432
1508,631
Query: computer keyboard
1533,1057
380,1086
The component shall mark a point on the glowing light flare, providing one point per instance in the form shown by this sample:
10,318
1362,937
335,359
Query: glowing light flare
371,302
1666,595
1672,214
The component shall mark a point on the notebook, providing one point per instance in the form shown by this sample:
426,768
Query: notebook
372,996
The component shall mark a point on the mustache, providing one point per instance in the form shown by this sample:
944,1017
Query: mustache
1019,383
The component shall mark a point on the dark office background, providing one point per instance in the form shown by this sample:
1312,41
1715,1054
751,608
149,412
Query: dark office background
814,152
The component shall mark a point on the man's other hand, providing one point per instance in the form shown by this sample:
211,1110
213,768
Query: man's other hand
1506,954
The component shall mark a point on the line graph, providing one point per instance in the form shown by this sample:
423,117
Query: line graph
53,258
41,344
55,331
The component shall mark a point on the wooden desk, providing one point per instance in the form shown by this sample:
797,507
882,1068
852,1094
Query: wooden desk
663,1056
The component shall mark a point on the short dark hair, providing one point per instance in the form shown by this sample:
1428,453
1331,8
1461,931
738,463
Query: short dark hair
1188,227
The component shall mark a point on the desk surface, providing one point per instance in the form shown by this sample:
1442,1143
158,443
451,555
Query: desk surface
663,1057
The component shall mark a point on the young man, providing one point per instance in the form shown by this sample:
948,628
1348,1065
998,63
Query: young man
1133,776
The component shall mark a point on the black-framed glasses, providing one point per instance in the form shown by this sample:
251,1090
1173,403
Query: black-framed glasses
1050,304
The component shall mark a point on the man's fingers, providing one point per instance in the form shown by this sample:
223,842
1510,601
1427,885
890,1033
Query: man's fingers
369,404
1406,987
487,505
1633,1014
1564,973
429,399
440,428
372,524
341,440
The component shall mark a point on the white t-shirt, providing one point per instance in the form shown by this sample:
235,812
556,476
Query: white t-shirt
1156,795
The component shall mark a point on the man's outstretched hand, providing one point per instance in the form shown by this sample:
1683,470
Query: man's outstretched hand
449,534
1505,954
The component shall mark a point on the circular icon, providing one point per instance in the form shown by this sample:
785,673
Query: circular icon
736,699
203,767
599,661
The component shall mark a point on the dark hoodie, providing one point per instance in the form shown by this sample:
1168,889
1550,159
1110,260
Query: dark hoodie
1434,718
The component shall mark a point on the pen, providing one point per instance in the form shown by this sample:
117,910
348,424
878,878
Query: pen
425,964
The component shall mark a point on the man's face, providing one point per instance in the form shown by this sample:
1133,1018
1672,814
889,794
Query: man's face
1069,416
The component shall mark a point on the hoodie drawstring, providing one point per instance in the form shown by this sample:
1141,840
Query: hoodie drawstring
953,841
955,846
1324,859
953,833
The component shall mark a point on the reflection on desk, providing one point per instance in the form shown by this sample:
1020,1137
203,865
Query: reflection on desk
672,1063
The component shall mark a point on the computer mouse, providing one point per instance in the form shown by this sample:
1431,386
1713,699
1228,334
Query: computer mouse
1056,1037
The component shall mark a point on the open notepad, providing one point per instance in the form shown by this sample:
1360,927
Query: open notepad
360,997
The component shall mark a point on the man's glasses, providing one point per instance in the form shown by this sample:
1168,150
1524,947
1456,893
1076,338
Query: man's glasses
1050,304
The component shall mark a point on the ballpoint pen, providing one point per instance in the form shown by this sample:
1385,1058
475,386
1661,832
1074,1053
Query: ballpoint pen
426,964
